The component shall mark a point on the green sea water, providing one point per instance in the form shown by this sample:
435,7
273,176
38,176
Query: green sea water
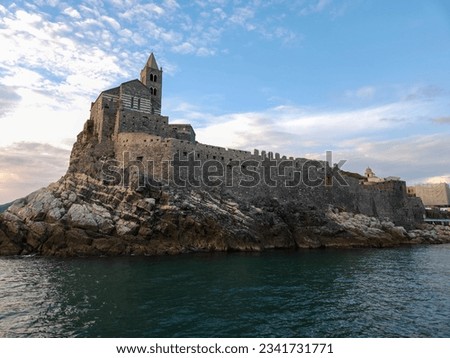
400,292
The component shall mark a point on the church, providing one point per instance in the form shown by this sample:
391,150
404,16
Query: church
126,123
135,107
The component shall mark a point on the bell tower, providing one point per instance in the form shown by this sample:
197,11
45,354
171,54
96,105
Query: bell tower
151,76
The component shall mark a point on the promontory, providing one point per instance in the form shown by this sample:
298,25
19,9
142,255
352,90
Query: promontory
138,185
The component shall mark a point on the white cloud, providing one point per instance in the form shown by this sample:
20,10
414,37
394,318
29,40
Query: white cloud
184,48
442,120
438,179
111,22
70,11
315,7
351,135
171,5
8,99
326,128
25,167
366,92
142,11
242,15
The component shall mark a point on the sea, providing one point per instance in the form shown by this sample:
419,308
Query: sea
395,292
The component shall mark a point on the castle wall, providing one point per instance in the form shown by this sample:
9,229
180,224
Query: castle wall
150,153
384,200
181,132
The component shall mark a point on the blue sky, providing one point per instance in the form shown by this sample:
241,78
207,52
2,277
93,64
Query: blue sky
367,79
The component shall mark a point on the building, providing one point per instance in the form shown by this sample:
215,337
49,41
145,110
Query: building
432,195
128,119
372,179
126,125
135,107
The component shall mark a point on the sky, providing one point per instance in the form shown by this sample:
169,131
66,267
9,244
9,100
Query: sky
367,79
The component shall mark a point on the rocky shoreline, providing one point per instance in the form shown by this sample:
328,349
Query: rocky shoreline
80,216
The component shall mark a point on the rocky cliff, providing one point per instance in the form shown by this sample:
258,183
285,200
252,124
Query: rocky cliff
80,215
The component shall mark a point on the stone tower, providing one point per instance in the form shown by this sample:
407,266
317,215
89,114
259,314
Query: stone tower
151,76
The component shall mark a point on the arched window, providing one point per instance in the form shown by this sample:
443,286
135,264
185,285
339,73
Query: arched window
154,91
151,90
155,78
151,77
139,103
132,102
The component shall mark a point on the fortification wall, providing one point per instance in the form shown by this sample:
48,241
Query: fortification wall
149,153
290,179
181,132
385,200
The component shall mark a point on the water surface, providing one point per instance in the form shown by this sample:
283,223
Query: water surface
401,292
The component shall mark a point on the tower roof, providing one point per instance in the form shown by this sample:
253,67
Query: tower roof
151,62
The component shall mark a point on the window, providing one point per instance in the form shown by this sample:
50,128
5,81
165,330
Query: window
151,77
139,159
154,91
155,78
132,102
139,103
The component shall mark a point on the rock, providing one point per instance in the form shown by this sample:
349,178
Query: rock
398,232
124,227
80,216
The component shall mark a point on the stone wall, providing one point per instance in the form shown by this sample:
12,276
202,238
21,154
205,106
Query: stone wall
181,132
140,122
103,114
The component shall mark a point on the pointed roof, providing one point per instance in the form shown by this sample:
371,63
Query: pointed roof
151,62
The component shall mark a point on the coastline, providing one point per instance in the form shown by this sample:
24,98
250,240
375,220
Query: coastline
79,216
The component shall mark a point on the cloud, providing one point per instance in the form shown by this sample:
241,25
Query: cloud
142,11
441,120
315,7
184,48
70,11
374,136
445,178
111,22
48,46
25,167
427,92
415,159
8,99
327,128
366,92
241,16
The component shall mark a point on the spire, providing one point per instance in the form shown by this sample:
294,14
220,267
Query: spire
151,62
151,77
